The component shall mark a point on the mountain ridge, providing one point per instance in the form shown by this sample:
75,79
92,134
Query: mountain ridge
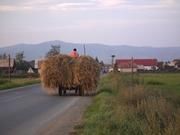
102,51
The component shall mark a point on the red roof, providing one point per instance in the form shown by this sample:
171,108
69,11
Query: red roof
127,65
144,62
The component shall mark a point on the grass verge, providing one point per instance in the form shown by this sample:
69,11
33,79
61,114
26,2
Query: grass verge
17,82
123,109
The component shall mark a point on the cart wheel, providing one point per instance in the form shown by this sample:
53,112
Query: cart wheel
81,92
60,91
64,91
76,90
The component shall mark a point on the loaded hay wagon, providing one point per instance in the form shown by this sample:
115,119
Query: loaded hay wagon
66,73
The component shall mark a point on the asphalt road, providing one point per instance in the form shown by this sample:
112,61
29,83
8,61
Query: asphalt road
30,111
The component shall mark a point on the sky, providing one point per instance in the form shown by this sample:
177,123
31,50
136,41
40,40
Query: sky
153,23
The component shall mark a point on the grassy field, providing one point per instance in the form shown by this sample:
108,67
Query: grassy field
165,81
17,82
149,106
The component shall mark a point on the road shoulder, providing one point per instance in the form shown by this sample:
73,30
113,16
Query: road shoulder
73,115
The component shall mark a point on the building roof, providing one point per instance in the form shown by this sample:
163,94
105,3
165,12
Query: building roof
32,63
127,65
4,63
144,62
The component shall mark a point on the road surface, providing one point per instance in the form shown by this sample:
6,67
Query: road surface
30,111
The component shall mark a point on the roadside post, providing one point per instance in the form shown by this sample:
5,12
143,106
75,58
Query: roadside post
9,59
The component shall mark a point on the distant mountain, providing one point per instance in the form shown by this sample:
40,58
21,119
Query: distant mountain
103,52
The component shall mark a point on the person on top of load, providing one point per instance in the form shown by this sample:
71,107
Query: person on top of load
74,53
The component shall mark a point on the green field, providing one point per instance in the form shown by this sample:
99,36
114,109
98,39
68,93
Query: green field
148,106
165,81
17,82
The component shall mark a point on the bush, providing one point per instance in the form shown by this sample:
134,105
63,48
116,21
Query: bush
152,82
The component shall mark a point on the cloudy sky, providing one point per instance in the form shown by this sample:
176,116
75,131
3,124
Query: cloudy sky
115,22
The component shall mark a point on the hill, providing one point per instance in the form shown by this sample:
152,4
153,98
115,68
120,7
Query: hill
103,52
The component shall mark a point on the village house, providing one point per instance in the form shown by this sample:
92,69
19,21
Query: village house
171,66
125,65
31,67
176,63
5,64
38,63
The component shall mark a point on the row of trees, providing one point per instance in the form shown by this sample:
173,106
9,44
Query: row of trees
3,56
55,49
19,56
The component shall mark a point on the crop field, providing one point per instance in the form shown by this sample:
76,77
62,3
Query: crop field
163,81
17,82
148,104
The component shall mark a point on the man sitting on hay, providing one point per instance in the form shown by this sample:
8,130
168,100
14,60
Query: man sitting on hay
74,53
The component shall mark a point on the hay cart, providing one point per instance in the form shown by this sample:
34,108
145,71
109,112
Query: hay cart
68,74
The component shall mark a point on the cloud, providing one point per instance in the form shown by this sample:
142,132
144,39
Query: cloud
110,3
6,8
36,2
168,2
47,5
86,5
71,6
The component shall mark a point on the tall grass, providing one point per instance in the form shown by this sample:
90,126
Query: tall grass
124,109
17,82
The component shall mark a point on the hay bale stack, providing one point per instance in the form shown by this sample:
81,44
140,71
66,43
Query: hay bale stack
57,71
86,73
68,73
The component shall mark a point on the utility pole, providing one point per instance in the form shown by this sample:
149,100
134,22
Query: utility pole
113,56
132,71
58,47
84,49
9,59
132,67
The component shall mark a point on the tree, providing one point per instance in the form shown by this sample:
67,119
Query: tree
55,50
19,56
21,64
97,60
3,56
102,63
160,66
